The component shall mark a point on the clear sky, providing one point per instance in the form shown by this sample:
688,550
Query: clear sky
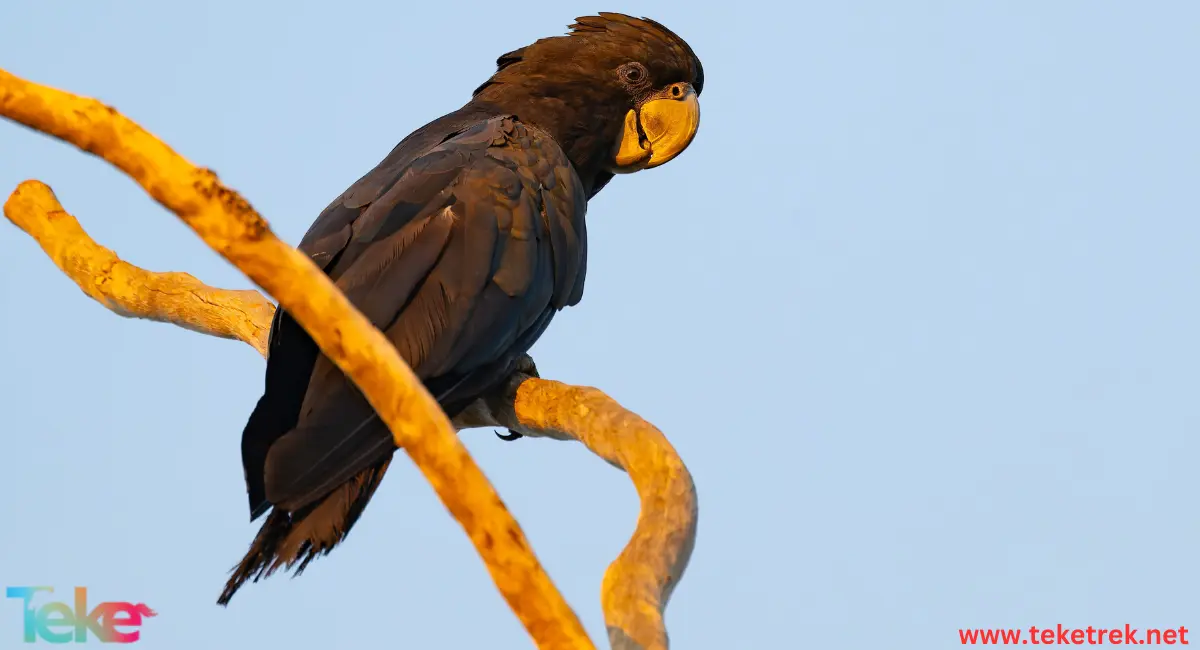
918,308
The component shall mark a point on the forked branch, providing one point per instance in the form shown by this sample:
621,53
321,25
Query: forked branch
638,583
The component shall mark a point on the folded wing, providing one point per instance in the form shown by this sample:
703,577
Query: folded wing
461,257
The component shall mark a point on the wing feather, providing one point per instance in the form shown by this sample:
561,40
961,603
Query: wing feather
461,255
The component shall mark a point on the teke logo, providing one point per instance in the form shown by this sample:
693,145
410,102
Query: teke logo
49,620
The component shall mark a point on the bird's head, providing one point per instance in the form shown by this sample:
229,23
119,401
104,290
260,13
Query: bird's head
620,94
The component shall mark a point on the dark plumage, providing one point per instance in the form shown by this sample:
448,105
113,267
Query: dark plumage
460,245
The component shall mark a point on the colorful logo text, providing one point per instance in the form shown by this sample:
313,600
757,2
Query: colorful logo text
56,622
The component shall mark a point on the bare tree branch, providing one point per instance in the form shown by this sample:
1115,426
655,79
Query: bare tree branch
129,291
637,585
640,581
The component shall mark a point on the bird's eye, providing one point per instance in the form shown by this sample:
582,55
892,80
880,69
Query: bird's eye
632,73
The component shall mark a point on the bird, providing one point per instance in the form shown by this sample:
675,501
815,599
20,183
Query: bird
461,245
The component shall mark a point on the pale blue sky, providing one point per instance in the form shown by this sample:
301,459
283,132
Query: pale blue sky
918,308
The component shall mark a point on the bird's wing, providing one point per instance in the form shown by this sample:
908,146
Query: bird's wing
461,257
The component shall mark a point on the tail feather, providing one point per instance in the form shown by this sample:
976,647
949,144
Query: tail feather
287,539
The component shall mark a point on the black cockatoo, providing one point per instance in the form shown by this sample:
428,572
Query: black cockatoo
460,246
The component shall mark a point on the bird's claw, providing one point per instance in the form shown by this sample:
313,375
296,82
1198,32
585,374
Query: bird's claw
512,435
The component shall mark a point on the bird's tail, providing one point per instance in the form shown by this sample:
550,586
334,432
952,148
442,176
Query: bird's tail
286,539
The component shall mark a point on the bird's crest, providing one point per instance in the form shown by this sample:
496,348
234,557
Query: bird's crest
618,27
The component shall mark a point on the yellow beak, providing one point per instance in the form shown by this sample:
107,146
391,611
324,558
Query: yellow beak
669,123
